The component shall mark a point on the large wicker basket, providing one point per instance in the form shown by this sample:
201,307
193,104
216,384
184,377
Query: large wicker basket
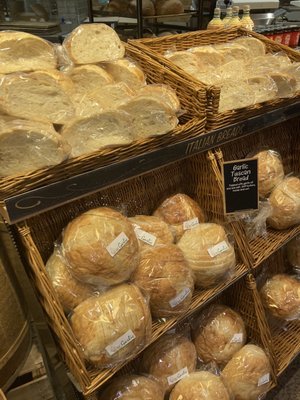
282,138
193,101
139,195
156,48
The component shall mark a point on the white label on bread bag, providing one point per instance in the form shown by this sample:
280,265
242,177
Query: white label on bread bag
136,226
121,342
172,379
180,297
218,249
264,379
117,244
145,237
190,224
237,338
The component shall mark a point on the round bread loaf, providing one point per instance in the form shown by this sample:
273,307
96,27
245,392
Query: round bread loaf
247,374
168,7
164,274
256,47
112,326
293,252
200,385
101,247
163,93
233,51
148,8
177,210
208,56
169,358
219,332
208,252
69,290
126,71
270,171
133,387
281,296
88,78
93,43
285,201
160,230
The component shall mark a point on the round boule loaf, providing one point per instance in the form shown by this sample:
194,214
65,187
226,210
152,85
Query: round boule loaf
112,326
163,93
256,47
101,247
166,277
285,203
281,296
208,253
168,7
88,78
270,171
126,71
218,333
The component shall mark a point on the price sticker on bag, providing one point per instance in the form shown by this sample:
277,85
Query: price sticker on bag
172,379
145,237
180,297
218,249
117,244
121,342
190,224
264,379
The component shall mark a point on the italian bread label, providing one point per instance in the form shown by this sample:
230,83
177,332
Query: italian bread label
264,379
117,244
190,224
180,297
172,379
145,237
121,342
218,249
237,338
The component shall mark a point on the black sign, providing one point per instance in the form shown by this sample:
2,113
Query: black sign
240,185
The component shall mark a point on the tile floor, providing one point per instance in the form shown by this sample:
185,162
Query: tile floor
288,385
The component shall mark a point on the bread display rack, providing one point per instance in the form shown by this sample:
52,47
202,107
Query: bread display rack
37,206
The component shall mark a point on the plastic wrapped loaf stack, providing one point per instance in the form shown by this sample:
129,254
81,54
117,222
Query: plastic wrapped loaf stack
218,333
38,95
281,296
108,338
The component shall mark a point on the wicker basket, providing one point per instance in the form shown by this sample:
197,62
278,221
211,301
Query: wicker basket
285,336
156,47
192,124
282,138
139,195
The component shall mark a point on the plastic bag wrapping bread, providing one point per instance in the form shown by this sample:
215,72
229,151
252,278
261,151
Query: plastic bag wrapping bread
133,387
87,78
21,51
166,277
270,170
105,129
294,71
255,46
281,297
181,213
69,290
29,145
209,254
113,326
151,231
169,359
163,93
43,96
200,385
285,203
218,333
248,373
150,116
233,51
293,253
127,71
100,247
93,43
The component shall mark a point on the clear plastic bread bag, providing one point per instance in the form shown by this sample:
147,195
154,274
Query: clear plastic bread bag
209,252
218,332
285,203
170,358
26,146
166,277
181,212
101,247
293,253
69,290
113,326
248,374
133,387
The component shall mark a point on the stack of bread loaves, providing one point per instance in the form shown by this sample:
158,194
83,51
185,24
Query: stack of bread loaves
149,7
242,69
97,99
